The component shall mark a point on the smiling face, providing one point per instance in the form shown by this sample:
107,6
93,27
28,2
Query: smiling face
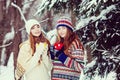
62,31
36,30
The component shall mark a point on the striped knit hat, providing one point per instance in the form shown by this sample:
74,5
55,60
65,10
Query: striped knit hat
65,22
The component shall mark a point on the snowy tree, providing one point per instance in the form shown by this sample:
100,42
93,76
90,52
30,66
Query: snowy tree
59,6
98,27
10,24
100,30
70,7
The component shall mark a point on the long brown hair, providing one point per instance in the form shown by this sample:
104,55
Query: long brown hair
67,41
34,40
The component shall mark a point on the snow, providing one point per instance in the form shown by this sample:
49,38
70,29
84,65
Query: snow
3,56
7,4
22,15
52,36
102,16
7,72
51,5
9,36
42,6
26,5
93,2
110,76
45,3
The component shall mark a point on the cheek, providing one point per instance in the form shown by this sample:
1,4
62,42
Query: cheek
59,31
40,29
32,31
65,34
65,31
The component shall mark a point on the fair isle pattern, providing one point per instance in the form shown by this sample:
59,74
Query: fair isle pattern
66,77
59,79
62,72
68,68
78,54
66,23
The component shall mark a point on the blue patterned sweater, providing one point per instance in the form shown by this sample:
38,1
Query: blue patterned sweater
67,68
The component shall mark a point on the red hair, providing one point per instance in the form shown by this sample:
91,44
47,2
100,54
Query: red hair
67,41
34,40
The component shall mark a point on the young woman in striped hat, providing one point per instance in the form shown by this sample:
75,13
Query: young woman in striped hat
67,53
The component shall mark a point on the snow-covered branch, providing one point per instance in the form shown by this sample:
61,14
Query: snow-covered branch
16,6
102,16
44,20
5,45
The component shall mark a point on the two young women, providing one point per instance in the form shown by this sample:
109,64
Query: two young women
67,54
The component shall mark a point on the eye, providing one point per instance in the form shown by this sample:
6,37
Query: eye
33,27
38,26
58,28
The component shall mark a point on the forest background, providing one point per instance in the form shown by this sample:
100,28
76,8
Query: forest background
97,23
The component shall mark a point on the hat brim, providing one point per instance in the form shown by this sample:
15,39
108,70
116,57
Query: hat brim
63,25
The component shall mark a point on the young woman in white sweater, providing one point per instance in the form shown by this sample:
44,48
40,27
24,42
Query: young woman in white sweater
33,62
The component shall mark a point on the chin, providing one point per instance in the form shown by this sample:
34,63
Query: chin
37,35
62,36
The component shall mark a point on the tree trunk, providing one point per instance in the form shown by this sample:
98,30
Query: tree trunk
11,18
49,27
73,16
16,17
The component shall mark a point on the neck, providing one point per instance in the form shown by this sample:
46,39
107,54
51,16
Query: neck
37,39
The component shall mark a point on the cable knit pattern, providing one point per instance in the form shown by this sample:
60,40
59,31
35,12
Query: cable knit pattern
32,69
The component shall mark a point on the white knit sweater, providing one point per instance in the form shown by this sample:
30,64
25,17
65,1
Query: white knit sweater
29,65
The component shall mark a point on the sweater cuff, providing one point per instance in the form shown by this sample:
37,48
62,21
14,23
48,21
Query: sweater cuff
62,57
52,56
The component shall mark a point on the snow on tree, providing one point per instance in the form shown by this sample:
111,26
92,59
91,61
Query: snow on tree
52,36
98,28
9,36
10,23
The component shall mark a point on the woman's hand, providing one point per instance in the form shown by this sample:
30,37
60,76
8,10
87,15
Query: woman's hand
58,48
39,48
